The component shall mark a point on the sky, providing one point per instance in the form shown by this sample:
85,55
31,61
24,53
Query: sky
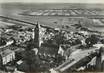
54,1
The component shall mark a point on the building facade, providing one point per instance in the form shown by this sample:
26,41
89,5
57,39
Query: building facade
7,56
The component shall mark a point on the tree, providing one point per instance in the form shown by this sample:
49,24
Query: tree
93,39
30,44
32,61
59,38
2,41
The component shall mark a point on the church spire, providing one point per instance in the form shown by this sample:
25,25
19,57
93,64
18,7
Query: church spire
36,37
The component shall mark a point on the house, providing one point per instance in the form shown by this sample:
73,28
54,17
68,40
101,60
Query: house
63,48
7,55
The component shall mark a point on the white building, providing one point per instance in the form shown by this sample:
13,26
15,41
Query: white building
7,56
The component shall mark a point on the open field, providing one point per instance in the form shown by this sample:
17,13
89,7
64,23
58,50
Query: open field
15,9
64,12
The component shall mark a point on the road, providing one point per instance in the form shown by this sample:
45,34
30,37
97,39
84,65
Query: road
75,57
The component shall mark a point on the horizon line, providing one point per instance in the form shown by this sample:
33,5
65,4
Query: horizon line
50,3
